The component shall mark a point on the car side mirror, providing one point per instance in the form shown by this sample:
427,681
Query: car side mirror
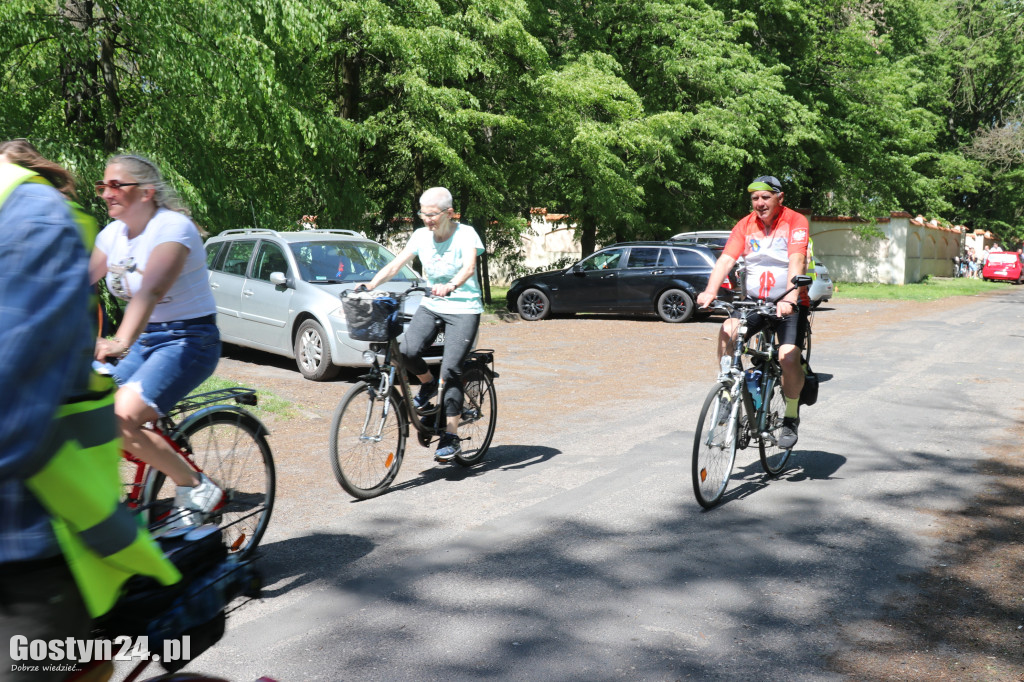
802,281
278,278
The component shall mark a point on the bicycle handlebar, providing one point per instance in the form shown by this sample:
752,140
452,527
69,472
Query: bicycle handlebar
401,295
762,306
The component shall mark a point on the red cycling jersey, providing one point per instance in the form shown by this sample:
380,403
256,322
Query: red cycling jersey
767,254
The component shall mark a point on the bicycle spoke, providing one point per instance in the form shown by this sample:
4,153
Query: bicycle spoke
714,447
479,415
773,457
367,442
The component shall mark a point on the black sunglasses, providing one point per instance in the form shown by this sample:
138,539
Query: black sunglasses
114,185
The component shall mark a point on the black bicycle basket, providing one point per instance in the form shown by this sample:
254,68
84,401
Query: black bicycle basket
370,316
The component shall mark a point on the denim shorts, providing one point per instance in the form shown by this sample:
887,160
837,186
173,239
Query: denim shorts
169,360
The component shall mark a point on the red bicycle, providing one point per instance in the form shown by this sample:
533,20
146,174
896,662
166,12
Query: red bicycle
216,436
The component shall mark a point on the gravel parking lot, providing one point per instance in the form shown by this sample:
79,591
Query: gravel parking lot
571,371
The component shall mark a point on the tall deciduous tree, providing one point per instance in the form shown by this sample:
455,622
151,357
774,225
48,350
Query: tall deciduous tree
205,89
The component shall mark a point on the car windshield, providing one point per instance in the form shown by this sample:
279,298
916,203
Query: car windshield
602,260
329,262
1007,258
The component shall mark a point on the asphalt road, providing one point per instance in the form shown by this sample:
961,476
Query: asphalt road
579,553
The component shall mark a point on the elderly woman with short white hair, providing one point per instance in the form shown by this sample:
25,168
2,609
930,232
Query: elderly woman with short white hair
448,252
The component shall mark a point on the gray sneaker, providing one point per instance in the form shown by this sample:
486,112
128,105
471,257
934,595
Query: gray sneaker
448,447
787,435
724,410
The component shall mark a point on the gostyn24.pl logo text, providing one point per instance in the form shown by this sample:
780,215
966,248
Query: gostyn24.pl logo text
43,654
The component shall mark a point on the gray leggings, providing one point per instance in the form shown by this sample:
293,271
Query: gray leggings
459,333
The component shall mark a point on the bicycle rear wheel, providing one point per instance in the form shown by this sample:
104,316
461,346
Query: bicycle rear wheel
230,448
773,457
367,445
479,414
714,446
808,338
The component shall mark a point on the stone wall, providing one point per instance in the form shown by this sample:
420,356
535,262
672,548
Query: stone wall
909,250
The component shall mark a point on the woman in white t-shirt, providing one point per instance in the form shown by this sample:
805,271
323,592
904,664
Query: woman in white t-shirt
448,250
167,343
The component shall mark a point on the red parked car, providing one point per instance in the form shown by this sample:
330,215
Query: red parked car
1004,265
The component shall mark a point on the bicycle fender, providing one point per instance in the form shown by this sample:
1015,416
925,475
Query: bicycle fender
241,414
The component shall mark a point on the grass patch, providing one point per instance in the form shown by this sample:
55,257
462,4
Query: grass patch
267,403
497,303
931,289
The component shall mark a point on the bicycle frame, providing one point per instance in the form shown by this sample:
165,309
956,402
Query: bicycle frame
212,401
382,378
734,376
765,357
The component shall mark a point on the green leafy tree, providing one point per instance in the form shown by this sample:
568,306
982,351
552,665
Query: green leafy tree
208,90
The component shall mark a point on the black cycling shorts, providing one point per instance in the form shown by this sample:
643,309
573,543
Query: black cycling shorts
790,330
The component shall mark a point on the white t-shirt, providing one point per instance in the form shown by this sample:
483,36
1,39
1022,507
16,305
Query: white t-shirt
442,261
190,296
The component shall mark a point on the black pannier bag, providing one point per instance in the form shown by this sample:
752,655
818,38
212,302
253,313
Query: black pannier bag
809,393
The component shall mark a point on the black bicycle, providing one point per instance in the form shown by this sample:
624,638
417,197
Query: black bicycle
371,423
745,405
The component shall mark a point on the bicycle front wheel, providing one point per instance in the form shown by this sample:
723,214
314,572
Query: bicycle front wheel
230,448
773,457
714,446
367,441
479,414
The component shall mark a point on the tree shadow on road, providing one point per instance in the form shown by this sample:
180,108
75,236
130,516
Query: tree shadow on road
302,560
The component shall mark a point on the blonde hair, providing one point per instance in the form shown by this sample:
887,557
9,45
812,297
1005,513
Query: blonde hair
147,173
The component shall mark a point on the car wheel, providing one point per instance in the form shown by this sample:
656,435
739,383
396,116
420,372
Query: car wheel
816,304
675,305
313,353
533,305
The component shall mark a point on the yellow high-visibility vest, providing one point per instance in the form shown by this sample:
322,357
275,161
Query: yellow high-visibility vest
74,473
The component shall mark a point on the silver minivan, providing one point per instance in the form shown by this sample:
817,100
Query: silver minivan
280,292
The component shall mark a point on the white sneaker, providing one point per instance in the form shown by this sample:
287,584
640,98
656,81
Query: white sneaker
177,523
201,498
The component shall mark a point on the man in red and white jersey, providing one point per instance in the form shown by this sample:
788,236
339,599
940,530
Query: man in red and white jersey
773,241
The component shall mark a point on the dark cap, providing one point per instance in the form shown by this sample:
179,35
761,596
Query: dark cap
765,183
